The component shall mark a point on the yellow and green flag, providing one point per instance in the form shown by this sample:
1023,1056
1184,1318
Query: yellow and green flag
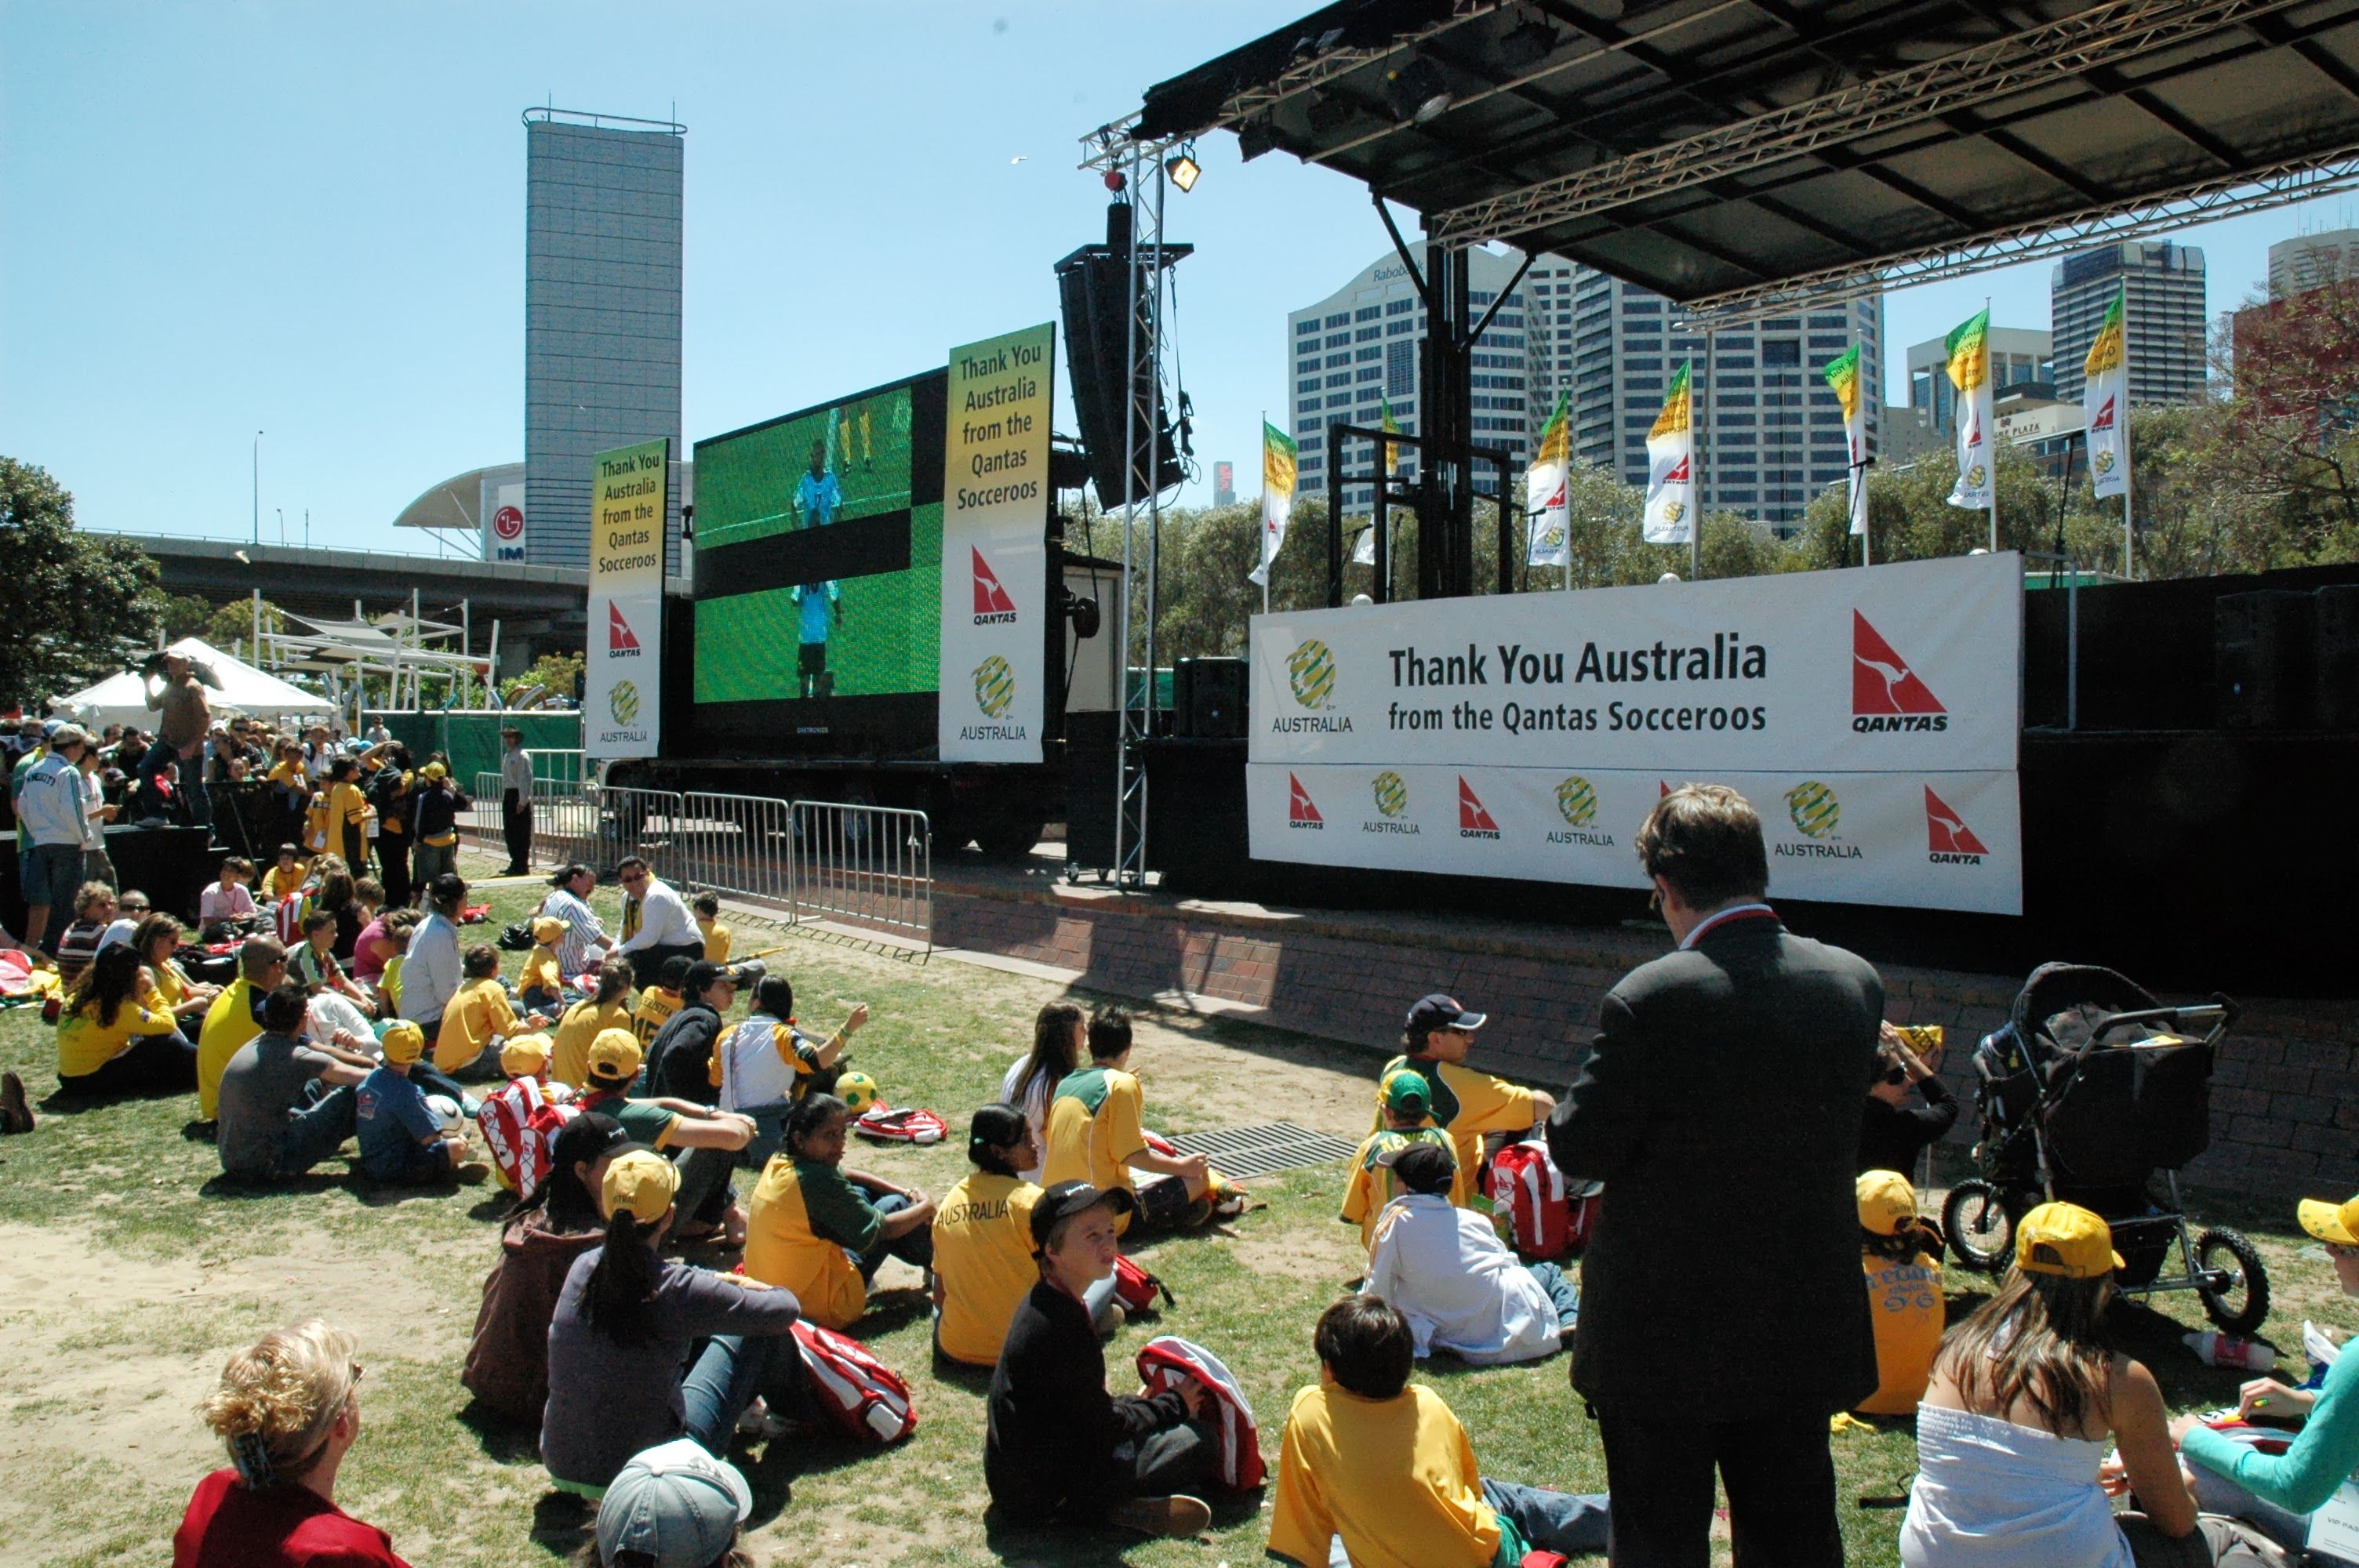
1391,427
1277,467
1547,512
1670,466
2105,400
1969,374
1842,375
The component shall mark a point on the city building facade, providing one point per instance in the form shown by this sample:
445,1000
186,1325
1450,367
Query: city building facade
2165,322
602,212
2018,357
1772,431
2313,261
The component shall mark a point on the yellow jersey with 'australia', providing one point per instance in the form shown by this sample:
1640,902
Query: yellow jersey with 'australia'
983,1255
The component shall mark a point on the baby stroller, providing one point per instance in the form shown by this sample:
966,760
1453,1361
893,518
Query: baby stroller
2089,1089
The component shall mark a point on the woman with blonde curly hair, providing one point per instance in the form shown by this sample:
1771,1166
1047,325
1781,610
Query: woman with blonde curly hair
288,1409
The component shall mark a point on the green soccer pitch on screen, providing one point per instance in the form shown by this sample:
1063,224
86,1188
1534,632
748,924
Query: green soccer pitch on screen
819,551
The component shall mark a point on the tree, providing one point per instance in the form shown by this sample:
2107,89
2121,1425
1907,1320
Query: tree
78,608
233,624
555,673
185,615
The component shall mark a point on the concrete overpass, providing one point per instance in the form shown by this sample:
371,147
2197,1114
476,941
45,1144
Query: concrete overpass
539,608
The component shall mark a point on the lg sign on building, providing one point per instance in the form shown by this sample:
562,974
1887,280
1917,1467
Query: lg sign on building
1871,715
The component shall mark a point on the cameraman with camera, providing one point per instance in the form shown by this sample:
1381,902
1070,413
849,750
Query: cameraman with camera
176,691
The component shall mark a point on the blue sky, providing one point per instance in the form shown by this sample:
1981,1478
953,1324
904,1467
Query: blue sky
309,219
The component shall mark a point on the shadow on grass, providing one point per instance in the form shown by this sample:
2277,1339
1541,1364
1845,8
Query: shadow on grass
562,1522
250,1187
508,1442
65,1102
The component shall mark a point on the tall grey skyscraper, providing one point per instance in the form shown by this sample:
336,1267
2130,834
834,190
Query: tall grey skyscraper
1357,353
2166,318
602,313
1773,430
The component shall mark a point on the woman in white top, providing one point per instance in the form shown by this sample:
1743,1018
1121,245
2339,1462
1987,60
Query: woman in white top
2012,1433
1059,1043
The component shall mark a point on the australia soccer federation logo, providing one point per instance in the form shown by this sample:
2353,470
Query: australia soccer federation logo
623,702
1576,801
994,686
1310,671
1552,538
2103,462
1674,510
1391,792
1977,476
1815,810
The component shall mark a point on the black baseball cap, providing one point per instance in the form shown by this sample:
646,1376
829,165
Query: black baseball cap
1440,1011
1069,1198
996,1126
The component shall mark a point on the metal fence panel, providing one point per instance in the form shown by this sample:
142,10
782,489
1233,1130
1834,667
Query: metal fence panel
865,865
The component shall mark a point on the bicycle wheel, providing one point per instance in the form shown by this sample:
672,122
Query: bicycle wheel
1980,1224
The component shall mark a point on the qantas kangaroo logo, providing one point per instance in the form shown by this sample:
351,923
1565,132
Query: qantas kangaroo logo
1473,822
2104,419
1885,694
1299,811
621,641
1679,474
1949,841
992,604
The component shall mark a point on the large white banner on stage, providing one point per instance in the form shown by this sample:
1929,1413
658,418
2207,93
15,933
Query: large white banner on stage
994,566
1870,715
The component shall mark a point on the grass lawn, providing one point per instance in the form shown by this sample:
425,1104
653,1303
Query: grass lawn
132,1273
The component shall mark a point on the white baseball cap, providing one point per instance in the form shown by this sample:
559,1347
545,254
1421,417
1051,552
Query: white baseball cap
676,1503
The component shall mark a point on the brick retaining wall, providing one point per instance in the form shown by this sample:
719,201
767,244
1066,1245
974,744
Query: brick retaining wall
2285,1100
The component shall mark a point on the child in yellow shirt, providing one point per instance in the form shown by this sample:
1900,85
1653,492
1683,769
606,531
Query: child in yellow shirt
717,936
542,984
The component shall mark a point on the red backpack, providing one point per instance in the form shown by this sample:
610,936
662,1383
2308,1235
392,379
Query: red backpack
1137,1290
1543,1217
886,1125
1164,1361
866,1399
520,1127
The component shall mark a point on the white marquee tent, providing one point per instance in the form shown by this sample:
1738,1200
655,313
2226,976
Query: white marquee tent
122,698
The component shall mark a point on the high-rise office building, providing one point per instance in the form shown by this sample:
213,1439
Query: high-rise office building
2313,261
602,314
2165,322
1357,351
1772,429
2019,356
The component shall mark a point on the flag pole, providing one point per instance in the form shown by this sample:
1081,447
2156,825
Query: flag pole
1859,468
1990,436
1261,533
2129,454
1696,445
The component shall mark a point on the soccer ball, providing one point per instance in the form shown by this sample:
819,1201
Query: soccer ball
448,1110
858,1093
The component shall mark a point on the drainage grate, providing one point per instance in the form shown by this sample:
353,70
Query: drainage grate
1258,1151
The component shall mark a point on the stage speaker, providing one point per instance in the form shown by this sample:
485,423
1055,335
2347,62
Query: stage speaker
1093,292
1209,698
2262,659
1093,745
2335,610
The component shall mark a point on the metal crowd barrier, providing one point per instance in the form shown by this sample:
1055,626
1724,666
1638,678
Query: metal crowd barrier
869,866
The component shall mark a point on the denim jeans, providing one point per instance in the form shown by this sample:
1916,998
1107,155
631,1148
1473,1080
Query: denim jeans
1560,1289
914,1246
724,1378
316,1131
769,1131
190,787
56,877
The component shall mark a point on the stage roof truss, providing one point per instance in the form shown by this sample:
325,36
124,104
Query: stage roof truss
1739,155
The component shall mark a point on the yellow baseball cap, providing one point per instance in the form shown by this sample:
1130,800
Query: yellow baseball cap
642,1183
2067,1239
2337,1223
615,1056
433,771
404,1043
524,1056
548,928
1886,1201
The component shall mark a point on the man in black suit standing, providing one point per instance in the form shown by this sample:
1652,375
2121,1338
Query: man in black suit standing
1723,1318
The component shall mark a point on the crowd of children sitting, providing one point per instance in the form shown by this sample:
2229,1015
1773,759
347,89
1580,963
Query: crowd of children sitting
620,1119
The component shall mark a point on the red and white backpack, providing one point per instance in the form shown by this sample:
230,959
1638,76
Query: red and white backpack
886,1125
1545,1217
1164,1361
865,1397
1137,1290
520,1125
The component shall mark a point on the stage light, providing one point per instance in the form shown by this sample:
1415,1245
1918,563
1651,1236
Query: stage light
1528,43
1114,180
1416,92
1331,111
1183,169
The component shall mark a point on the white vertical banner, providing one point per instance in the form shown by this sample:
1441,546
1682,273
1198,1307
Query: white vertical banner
622,696
2106,402
502,520
995,555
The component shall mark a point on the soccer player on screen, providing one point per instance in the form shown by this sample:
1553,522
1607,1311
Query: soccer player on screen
817,495
814,599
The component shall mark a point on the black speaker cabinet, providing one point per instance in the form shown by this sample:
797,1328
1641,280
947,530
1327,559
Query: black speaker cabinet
1208,697
2262,659
1093,745
2335,610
